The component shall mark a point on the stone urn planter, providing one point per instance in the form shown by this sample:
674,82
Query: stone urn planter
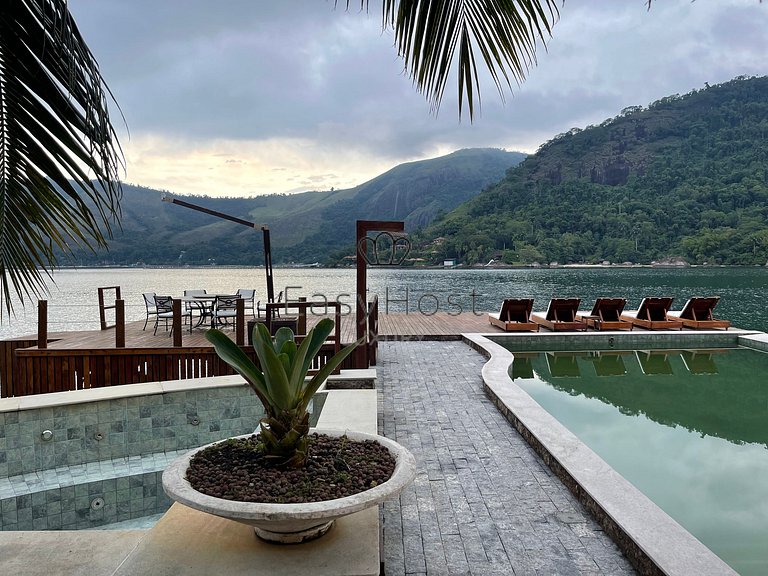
292,523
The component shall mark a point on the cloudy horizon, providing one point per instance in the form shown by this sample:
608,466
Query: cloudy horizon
266,97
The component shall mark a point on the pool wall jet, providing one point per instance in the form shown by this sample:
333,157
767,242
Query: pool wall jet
652,541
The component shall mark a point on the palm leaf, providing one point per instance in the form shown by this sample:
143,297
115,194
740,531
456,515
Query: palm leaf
54,131
428,34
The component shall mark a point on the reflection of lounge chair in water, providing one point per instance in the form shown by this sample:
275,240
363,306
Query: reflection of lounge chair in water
514,315
609,363
654,361
606,315
652,314
699,361
563,365
697,313
522,366
561,315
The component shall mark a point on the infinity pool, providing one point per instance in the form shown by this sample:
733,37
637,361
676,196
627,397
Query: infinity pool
689,428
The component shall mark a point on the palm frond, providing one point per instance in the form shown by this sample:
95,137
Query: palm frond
428,34
55,137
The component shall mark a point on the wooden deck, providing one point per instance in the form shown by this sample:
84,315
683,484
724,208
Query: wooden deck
391,326
88,359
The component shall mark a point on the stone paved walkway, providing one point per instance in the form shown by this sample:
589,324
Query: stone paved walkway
483,503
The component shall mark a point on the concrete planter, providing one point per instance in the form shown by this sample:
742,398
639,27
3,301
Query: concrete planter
292,523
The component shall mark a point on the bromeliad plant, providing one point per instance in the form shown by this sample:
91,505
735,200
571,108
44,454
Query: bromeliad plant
281,384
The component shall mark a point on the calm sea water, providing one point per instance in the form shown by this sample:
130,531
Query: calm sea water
73,299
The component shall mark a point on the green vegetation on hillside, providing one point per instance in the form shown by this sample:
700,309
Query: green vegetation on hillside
685,177
304,227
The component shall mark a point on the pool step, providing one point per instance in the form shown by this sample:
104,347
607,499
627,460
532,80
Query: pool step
86,495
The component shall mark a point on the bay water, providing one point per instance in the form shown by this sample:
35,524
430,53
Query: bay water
73,297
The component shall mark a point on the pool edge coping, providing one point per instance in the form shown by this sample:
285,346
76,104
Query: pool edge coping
651,539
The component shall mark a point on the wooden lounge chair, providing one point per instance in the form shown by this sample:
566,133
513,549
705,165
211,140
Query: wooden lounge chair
561,315
606,315
653,315
697,314
515,314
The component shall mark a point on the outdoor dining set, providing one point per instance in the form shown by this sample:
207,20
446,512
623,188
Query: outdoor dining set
201,309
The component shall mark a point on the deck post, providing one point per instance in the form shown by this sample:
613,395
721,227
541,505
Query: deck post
176,330
119,323
301,326
360,355
42,324
240,322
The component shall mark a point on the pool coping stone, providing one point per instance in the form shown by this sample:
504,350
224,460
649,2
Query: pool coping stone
653,541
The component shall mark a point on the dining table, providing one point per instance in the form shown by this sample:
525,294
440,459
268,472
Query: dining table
204,304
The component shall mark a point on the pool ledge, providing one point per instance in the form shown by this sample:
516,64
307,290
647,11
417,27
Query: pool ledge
652,541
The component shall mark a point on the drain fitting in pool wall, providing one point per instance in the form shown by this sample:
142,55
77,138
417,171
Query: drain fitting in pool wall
97,503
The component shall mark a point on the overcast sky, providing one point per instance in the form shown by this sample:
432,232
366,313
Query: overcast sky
245,97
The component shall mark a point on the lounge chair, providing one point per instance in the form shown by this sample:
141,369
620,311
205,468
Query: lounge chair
697,314
653,314
515,314
561,315
606,315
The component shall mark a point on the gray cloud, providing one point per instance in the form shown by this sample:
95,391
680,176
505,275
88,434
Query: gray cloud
196,71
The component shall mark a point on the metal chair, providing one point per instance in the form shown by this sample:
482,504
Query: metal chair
149,302
164,306
260,308
248,297
203,308
225,310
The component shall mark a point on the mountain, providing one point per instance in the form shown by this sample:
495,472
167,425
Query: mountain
304,227
685,178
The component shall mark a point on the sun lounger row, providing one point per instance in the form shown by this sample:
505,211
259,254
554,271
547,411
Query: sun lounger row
607,314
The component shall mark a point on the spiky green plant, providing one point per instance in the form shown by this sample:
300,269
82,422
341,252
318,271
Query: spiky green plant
281,384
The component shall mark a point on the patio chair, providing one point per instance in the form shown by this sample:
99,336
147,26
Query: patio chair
514,314
248,295
202,308
697,314
149,302
560,315
164,307
606,315
225,310
260,308
653,315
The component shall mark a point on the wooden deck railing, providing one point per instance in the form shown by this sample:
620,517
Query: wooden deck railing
35,371
26,368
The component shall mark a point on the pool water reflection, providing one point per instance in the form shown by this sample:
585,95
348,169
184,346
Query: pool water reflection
689,428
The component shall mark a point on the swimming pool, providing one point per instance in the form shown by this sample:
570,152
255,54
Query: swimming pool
688,427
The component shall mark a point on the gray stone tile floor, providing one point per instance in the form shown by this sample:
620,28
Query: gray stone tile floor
483,502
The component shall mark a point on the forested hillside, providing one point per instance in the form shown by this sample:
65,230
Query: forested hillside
683,178
304,227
